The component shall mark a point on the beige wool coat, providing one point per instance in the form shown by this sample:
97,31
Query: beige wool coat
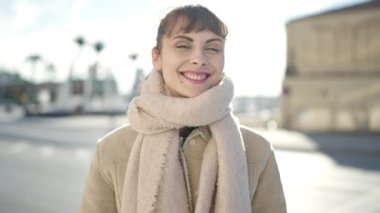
104,185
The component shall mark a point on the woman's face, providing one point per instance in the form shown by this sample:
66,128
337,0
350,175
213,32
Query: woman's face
191,62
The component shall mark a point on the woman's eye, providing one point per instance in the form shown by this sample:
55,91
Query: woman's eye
183,47
213,49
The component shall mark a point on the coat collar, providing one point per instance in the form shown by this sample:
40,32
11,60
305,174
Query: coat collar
203,131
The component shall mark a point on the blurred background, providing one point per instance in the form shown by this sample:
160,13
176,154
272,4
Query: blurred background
306,73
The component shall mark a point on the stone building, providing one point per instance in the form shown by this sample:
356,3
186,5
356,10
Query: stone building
332,80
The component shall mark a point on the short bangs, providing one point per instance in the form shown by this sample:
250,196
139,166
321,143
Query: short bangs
190,19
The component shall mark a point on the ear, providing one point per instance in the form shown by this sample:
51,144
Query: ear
156,59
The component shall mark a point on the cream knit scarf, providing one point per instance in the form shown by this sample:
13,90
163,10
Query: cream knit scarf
155,181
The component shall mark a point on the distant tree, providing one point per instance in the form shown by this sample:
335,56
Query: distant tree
12,86
31,95
98,46
133,56
50,71
80,41
98,86
139,76
33,59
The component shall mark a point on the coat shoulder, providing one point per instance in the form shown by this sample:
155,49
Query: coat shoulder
257,147
116,146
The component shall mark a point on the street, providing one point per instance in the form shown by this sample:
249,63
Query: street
315,182
44,163
41,178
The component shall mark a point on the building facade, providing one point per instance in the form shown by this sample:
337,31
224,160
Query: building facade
332,80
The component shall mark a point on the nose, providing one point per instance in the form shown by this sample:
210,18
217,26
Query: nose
199,58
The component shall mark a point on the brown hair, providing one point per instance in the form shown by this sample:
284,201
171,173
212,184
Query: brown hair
190,18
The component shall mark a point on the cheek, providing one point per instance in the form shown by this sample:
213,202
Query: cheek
219,64
222,62
219,68
157,66
170,76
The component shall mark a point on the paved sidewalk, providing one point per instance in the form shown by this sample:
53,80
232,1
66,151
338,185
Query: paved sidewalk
85,130
68,131
365,143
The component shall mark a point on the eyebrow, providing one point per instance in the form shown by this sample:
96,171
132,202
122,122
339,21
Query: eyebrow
190,39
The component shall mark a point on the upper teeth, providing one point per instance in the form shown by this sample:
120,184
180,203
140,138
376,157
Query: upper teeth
195,76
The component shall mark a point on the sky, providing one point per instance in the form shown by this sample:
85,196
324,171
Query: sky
255,46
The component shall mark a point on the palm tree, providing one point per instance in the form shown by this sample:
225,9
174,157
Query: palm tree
50,71
33,59
96,87
99,46
133,56
81,42
139,76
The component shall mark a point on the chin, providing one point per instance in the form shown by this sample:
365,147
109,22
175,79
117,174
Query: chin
194,94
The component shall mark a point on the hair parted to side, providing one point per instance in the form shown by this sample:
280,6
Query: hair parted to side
190,18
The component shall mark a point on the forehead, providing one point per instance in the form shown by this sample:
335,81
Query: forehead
201,36
184,25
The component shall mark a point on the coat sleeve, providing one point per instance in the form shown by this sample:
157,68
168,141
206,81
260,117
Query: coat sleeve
99,193
269,196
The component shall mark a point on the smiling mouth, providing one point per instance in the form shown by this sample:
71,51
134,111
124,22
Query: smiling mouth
196,76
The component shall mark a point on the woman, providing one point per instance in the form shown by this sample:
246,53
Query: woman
183,150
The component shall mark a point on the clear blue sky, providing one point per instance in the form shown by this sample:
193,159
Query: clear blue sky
255,48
